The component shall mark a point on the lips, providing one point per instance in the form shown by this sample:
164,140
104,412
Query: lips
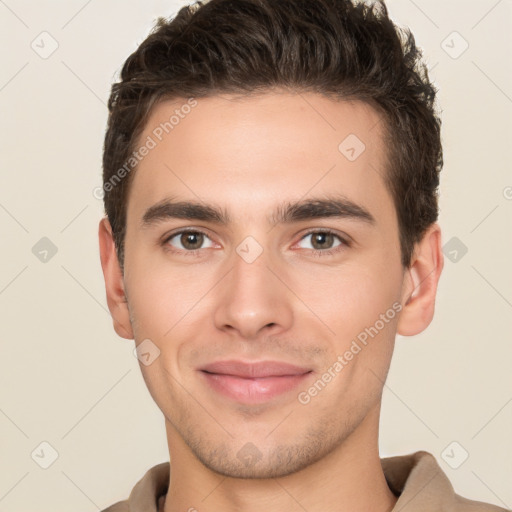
253,383
256,370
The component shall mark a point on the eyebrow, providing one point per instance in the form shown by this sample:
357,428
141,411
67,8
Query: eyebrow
285,213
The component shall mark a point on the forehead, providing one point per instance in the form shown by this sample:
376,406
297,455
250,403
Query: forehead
250,153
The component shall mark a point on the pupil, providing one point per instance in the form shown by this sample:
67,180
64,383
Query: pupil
191,239
321,237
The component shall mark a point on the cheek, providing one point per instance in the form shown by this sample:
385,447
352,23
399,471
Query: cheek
162,296
348,298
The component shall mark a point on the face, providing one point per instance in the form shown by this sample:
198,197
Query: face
259,271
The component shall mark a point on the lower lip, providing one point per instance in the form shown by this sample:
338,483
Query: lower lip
251,390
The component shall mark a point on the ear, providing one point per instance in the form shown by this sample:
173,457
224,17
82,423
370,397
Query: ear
114,283
420,284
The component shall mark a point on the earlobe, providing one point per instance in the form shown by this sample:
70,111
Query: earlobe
420,284
114,284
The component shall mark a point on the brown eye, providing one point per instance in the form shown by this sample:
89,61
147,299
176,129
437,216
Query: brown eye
188,241
191,240
323,240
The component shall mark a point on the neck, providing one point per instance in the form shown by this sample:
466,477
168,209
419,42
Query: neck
350,477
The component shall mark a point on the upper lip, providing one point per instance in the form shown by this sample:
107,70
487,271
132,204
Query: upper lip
255,369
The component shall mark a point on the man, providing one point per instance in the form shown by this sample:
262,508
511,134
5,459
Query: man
271,170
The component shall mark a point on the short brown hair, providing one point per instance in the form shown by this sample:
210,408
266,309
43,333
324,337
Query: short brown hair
337,48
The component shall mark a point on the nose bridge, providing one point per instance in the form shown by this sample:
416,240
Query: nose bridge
251,269
252,297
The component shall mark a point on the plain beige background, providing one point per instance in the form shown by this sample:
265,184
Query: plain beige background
66,379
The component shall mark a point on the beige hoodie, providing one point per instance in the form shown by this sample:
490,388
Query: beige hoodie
416,478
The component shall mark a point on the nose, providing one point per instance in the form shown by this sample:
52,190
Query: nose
254,299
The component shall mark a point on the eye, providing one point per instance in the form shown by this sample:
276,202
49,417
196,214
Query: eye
323,242
191,241
187,241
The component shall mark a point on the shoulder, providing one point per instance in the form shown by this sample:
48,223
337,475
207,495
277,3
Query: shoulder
145,494
462,504
120,506
421,484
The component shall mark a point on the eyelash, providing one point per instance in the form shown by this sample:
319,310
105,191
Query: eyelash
316,252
